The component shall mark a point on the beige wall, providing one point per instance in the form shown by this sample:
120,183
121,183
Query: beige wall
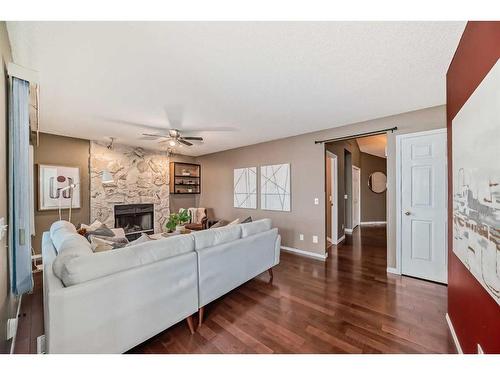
307,177
6,301
373,205
59,150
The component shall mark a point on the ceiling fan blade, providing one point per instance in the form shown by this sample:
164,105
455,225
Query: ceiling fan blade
181,140
155,136
193,138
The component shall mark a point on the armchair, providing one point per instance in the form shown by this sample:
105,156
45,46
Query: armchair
199,219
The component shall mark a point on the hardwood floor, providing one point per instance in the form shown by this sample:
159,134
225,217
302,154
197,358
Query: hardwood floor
348,304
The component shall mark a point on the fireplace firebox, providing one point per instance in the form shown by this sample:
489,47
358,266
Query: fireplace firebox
135,219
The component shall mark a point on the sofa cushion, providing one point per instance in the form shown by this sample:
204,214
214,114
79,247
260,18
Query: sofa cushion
216,236
72,246
86,268
249,229
59,231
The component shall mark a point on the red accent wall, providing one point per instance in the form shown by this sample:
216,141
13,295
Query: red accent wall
474,314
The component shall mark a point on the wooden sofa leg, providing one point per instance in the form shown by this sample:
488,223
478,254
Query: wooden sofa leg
200,315
190,323
271,276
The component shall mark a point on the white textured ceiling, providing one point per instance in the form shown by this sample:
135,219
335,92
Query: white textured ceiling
374,145
264,80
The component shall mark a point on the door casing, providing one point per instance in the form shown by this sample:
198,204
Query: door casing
334,191
354,225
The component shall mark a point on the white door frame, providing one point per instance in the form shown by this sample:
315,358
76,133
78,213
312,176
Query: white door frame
359,198
399,214
334,191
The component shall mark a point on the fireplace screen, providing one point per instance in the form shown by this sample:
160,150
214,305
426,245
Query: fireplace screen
135,219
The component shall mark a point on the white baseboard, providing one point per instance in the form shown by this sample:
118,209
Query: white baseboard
338,240
16,321
454,335
393,270
348,231
304,253
373,222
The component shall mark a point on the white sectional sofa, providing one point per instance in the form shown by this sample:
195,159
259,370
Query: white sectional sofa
111,301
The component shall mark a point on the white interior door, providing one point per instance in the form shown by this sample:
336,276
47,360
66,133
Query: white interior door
333,198
423,205
356,196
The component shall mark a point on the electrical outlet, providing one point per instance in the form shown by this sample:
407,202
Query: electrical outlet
479,349
315,239
3,228
345,196
316,201
301,237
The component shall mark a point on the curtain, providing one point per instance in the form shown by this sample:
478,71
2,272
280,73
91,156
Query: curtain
21,279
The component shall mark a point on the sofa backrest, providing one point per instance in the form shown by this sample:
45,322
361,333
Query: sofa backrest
216,236
86,268
258,226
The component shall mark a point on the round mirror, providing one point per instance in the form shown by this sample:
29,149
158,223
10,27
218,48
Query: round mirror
377,182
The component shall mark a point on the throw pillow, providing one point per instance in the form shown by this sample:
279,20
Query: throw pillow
102,231
99,243
234,222
247,220
96,224
220,223
143,238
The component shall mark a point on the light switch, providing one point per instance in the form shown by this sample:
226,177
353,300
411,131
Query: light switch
315,239
316,201
346,197
301,237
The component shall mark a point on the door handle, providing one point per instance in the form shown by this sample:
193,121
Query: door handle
407,213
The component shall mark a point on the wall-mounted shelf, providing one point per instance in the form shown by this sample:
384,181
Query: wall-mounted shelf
185,178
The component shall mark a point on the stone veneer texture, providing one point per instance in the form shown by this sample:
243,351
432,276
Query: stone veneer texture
140,176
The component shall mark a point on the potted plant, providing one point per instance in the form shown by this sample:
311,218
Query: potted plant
176,221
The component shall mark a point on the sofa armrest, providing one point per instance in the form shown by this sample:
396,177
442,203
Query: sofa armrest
277,250
223,267
122,310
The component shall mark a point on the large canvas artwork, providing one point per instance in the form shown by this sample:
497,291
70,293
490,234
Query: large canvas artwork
245,187
275,187
476,183
53,178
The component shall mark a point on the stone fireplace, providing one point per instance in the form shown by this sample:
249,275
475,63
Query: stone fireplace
140,178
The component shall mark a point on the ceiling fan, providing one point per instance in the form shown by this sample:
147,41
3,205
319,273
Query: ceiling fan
174,138
173,135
